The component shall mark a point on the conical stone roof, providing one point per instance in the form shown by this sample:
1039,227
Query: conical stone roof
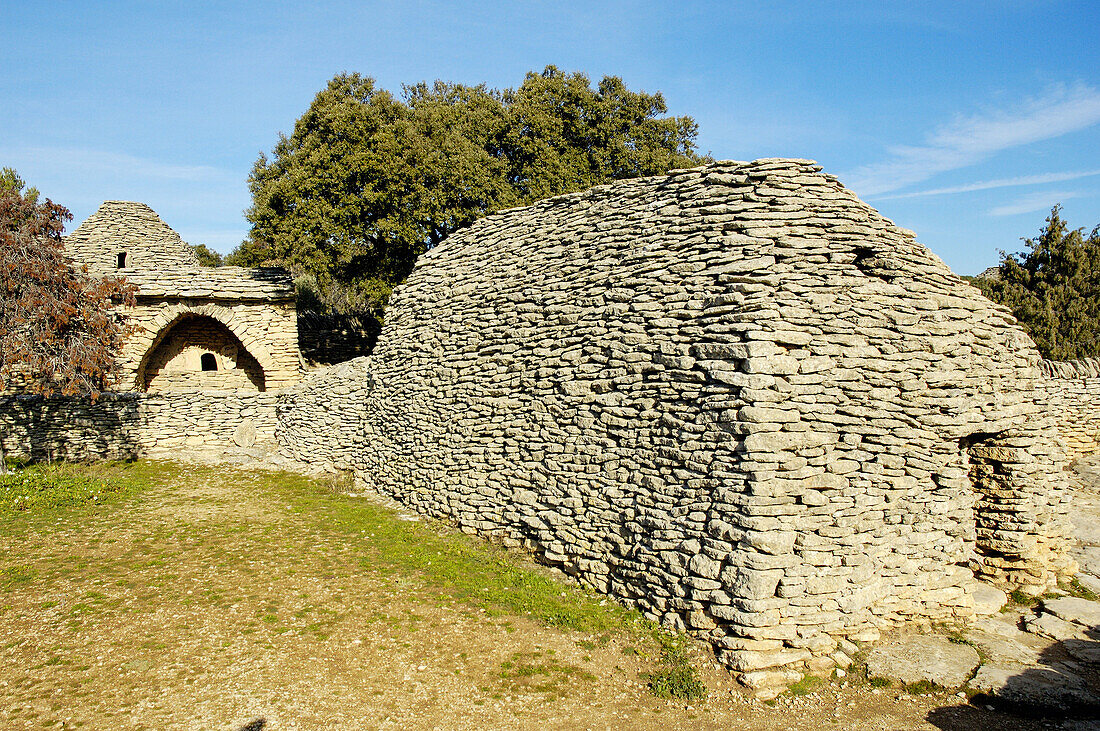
129,228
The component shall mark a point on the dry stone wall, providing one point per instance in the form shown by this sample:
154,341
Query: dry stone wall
330,338
126,426
734,396
1070,391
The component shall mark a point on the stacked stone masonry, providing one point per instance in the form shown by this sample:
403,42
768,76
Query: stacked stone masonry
131,425
736,397
207,350
252,311
124,235
1070,392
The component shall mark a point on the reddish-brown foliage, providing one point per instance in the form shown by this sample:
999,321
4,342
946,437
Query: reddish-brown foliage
58,333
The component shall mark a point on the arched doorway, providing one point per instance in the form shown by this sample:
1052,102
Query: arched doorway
197,352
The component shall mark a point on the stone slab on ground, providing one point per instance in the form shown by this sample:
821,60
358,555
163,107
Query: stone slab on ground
1055,628
1090,582
1074,609
931,658
987,599
1088,557
1003,624
1087,651
1086,527
1054,686
1021,649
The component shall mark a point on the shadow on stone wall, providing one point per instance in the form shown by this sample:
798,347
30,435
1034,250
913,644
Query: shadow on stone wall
325,339
70,427
1064,685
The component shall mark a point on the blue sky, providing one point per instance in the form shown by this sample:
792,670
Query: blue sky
964,121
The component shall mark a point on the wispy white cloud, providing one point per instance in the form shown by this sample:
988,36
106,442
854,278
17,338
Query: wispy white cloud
91,163
969,140
1042,200
998,183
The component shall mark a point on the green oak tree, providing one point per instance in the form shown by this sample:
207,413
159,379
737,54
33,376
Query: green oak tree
367,182
1053,289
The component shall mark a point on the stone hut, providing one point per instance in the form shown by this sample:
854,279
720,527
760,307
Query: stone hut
735,396
197,328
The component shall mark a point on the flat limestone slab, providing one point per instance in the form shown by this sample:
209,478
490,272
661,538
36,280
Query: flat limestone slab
987,599
1056,628
1022,649
1038,687
1090,582
1089,559
923,657
1074,609
1086,527
1084,650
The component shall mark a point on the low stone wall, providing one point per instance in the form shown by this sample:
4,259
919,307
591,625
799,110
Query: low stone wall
125,426
1070,391
320,421
326,339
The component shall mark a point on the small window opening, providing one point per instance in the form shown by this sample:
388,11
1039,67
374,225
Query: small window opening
122,260
209,362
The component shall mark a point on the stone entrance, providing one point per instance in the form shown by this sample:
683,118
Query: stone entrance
198,352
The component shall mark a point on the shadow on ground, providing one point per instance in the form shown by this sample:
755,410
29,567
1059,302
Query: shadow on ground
1064,686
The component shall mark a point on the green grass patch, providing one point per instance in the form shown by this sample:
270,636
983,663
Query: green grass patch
12,577
877,682
1022,599
426,561
807,685
454,565
48,489
532,672
675,676
923,687
1075,588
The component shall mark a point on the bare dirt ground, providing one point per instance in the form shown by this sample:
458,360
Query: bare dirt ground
209,602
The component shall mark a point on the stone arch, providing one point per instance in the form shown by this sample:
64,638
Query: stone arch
249,356
160,324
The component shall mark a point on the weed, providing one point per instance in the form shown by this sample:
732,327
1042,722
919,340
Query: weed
1021,599
877,682
923,687
807,685
1075,588
675,676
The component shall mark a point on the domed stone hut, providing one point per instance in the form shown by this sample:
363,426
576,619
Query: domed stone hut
736,397
197,328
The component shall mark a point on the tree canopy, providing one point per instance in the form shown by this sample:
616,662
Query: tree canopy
57,331
1053,289
367,182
